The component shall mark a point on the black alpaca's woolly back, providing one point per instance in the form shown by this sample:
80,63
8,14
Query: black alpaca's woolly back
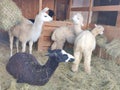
26,69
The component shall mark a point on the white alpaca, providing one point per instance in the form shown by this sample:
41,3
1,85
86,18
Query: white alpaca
26,31
84,44
65,33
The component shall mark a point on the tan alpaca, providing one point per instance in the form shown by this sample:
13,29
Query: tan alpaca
84,44
26,31
65,33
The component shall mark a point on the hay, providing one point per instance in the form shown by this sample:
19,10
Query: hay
113,48
10,14
101,40
105,75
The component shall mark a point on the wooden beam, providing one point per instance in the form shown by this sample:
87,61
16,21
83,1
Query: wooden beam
69,9
90,12
106,8
98,8
40,5
80,9
118,20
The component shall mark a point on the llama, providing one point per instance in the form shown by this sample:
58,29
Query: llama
27,31
25,68
65,33
84,44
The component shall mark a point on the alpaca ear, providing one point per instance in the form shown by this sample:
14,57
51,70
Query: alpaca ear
45,9
82,24
96,25
49,52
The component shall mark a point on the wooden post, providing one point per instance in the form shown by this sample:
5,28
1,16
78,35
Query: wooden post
89,12
118,19
69,9
40,5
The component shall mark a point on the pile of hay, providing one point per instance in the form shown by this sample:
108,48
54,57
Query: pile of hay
113,48
10,14
105,75
101,41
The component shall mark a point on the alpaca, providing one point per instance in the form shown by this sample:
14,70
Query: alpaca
25,68
26,31
50,13
84,44
65,33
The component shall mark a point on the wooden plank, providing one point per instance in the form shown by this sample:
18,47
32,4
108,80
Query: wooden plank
69,9
98,8
48,3
80,9
40,5
48,43
112,32
106,8
47,38
48,27
29,8
57,23
48,33
118,20
89,13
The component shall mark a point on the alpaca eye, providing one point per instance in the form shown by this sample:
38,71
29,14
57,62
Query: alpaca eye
65,57
45,16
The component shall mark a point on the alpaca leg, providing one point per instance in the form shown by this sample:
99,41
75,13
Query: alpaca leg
87,61
54,46
78,57
11,43
17,45
60,44
30,47
23,46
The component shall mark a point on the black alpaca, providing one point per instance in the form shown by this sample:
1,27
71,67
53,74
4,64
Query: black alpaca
25,68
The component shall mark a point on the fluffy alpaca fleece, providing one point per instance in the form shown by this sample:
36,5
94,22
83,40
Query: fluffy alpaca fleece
84,44
65,33
26,31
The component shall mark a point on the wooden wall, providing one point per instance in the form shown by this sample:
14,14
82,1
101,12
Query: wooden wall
48,3
29,8
44,41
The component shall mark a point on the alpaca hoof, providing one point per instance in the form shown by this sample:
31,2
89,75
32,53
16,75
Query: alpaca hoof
74,68
88,72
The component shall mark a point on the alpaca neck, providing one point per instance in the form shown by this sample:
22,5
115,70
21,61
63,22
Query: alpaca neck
51,66
77,28
38,25
94,32
36,29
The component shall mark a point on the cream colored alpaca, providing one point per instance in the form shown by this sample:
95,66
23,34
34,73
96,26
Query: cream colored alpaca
84,44
65,33
26,31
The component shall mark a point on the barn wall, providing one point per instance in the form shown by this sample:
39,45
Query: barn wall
44,41
48,3
118,20
29,7
111,32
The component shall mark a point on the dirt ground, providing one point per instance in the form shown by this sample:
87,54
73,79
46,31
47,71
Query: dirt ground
105,75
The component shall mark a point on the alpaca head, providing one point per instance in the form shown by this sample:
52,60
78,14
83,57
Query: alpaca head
78,19
51,13
99,29
60,55
43,16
